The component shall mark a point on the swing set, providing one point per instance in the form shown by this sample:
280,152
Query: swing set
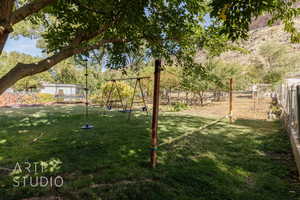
154,144
125,109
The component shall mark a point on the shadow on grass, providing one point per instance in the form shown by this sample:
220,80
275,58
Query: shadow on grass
239,161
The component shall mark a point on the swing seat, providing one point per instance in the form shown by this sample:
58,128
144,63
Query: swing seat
144,109
108,107
87,126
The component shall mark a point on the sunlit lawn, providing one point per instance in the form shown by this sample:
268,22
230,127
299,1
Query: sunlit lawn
249,160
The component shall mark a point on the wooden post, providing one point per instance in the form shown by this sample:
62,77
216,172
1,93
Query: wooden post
155,113
254,102
298,108
230,99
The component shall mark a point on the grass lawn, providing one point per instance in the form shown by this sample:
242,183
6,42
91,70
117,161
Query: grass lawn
249,160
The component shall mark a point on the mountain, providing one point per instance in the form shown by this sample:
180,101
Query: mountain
258,37
261,22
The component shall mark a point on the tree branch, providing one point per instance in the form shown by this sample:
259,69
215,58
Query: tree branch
6,7
29,9
22,70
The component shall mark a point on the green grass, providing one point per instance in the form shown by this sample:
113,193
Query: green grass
249,160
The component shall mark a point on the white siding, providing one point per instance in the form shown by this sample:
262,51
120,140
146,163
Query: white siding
68,89
48,90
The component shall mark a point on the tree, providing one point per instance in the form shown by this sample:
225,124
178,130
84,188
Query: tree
273,62
67,72
164,27
13,12
117,91
170,80
196,80
9,60
211,76
33,82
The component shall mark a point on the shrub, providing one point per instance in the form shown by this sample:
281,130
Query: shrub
45,98
179,107
28,99
97,98
125,90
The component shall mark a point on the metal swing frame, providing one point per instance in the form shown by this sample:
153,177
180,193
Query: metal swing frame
124,107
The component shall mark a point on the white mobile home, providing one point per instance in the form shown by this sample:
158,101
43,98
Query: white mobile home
69,92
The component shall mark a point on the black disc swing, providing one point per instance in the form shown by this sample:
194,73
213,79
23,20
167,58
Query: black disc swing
86,115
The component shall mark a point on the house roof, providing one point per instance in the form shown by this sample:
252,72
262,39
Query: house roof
62,85
293,75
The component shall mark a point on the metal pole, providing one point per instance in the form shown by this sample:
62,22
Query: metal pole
86,126
86,95
108,102
155,113
254,102
143,97
132,99
230,99
120,97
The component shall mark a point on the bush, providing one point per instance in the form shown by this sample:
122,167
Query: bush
45,98
28,99
179,107
96,98
126,91
275,108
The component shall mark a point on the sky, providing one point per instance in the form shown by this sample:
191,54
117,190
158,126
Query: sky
23,45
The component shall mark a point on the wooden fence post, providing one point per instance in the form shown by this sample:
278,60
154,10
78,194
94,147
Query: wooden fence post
155,113
230,99
298,108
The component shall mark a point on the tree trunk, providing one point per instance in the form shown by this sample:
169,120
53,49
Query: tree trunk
187,98
217,96
8,18
193,99
3,39
22,70
6,7
169,96
201,98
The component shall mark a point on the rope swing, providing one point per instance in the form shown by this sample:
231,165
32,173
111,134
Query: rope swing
86,115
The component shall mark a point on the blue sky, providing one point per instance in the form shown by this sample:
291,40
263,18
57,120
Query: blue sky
23,45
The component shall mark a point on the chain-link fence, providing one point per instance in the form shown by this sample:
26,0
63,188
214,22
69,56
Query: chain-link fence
288,98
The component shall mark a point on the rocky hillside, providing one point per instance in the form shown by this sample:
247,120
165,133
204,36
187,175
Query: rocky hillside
257,38
262,21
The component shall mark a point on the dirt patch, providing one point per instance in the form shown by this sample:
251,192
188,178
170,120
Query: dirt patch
243,107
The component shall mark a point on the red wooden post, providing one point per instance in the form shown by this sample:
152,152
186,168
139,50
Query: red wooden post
155,113
298,107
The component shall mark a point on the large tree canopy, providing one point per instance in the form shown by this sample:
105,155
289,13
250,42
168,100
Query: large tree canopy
161,28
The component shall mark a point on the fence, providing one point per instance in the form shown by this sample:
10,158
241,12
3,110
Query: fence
9,98
288,101
25,98
288,97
